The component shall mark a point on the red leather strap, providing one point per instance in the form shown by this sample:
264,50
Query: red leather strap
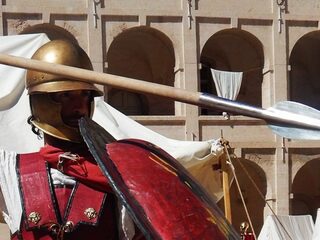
78,208
35,189
62,195
15,237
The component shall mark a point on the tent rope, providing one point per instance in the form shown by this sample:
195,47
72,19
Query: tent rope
225,144
226,147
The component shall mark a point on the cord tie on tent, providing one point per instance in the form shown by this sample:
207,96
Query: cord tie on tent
226,146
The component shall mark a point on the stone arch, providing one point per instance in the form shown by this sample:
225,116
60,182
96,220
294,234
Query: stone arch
304,83
254,202
233,50
147,54
53,32
306,200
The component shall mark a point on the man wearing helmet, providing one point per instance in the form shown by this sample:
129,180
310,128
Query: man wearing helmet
59,192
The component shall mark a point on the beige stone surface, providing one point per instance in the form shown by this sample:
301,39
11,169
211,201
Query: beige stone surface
4,232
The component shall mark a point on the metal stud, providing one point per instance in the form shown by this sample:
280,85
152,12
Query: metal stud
90,213
68,227
34,217
54,228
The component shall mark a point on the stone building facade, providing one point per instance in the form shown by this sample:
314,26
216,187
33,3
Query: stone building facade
275,43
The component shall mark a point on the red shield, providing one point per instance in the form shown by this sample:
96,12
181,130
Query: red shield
162,197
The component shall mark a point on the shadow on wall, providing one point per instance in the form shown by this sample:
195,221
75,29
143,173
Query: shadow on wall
146,54
233,50
306,198
52,31
304,74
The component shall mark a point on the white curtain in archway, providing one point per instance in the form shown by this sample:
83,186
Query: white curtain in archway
227,83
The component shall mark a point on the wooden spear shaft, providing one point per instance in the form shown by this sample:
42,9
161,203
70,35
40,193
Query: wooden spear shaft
126,83
177,94
102,78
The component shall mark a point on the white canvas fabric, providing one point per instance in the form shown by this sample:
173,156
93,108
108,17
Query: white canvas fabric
298,227
12,79
14,103
197,156
316,231
121,126
12,210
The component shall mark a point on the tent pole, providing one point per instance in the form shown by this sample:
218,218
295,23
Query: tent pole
226,189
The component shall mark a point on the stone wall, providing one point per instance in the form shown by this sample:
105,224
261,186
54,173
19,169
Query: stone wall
164,42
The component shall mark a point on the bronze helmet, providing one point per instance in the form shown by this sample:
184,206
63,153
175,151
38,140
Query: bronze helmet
46,113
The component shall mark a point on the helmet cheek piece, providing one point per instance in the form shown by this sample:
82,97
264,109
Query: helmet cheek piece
47,117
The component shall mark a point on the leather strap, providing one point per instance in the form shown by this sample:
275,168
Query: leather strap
85,206
35,191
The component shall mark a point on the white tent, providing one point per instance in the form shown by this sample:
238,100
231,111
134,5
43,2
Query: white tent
316,231
299,227
197,157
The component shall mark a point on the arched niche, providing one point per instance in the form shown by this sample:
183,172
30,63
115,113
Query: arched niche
304,82
253,199
233,50
52,31
306,190
146,54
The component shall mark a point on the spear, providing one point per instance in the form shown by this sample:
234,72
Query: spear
287,119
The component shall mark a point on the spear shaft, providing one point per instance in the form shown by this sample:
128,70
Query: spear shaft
177,94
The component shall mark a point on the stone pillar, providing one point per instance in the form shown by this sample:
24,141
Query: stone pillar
282,190
280,78
280,93
190,72
94,36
